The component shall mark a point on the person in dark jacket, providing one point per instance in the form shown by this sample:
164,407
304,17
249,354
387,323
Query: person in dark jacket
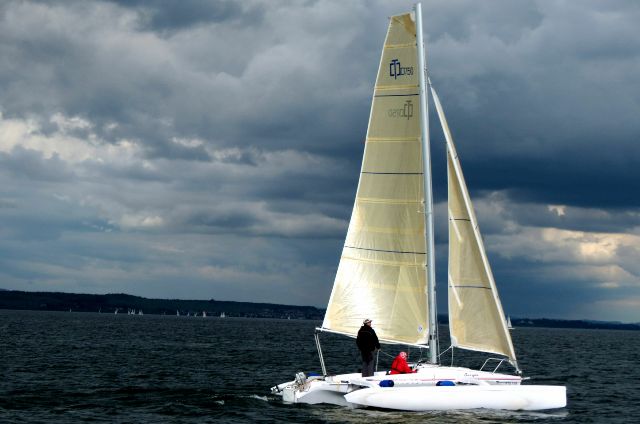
400,366
367,342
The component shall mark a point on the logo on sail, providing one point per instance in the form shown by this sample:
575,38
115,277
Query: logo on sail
396,70
404,112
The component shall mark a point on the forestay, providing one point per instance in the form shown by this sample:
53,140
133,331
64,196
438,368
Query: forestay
381,274
476,319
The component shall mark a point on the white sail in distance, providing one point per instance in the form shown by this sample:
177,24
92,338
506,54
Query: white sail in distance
381,275
476,318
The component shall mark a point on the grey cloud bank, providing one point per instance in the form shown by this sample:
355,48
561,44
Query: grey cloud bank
211,149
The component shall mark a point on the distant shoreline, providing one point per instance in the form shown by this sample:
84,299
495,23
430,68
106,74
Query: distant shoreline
124,303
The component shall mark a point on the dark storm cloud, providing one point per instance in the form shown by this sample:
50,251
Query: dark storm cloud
32,165
219,83
219,142
163,15
544,108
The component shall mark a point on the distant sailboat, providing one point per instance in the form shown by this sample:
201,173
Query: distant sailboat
204,314
223,315
509,326
386,271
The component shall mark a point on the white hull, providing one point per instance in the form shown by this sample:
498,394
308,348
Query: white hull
438,398
418,392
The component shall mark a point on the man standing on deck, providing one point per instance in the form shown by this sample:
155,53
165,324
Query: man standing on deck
367,342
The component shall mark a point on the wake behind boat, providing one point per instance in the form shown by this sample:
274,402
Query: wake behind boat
386,271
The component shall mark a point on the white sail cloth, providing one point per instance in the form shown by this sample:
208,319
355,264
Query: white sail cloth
476,319
381,275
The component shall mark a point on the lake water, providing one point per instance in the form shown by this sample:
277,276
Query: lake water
82,367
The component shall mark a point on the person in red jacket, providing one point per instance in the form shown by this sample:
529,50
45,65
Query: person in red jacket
400,366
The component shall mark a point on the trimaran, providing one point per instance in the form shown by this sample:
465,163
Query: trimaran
386,271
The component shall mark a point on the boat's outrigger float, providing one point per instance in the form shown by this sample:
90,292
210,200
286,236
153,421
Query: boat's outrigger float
387,263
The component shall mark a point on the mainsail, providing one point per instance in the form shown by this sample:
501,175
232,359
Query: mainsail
476,319
381,274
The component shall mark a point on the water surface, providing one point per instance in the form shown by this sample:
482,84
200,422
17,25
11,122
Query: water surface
60,367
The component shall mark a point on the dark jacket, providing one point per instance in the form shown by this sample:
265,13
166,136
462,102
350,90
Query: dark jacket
367,340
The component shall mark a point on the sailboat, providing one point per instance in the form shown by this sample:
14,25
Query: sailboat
386,270
509,326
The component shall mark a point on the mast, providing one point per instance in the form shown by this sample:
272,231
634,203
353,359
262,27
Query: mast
428,195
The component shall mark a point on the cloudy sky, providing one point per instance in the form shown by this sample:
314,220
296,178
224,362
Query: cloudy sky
211,149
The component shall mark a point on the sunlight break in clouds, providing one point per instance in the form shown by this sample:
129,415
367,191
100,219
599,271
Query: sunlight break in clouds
27,134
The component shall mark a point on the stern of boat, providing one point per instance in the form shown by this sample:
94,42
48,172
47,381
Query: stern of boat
318,389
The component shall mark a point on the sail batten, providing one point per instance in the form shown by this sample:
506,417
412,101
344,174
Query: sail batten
381,274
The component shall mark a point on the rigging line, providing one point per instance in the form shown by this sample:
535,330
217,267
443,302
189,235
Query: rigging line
385,353
460,219
385,251
445,351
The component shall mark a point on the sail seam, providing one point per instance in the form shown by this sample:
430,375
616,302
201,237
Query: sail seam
383,262
391,173
387,230
387,201
391,139
471,287
395,87
396,95
399,46
385,251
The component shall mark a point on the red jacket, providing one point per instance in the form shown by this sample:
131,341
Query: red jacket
400,366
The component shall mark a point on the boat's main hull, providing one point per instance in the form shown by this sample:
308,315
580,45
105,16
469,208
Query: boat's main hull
472,389
434,398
